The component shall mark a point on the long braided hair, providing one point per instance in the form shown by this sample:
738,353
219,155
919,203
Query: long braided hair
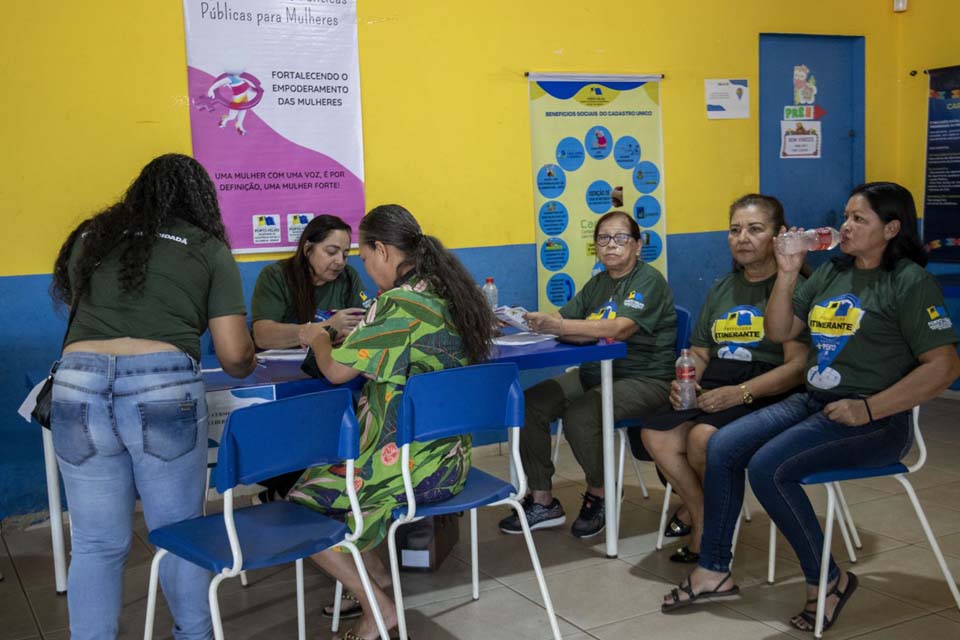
172,186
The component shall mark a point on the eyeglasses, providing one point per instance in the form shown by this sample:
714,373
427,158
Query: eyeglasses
621,239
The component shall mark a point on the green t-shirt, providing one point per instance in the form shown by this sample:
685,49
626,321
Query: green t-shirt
644,297
191,277
869,327
273,300
731,321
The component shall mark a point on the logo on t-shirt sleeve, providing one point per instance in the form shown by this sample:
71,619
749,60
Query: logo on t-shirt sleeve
938,318
832,323
739,330
606,312
634,300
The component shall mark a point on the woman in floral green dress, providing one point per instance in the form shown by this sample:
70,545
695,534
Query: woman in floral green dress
430,316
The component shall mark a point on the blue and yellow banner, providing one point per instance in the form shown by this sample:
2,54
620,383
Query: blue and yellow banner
597,147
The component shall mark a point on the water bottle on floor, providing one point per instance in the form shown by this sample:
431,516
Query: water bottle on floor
821,239
490,293
687,379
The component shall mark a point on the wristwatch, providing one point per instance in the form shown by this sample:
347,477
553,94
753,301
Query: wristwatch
331,332
747,396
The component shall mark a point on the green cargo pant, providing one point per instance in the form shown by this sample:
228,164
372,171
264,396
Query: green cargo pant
564,397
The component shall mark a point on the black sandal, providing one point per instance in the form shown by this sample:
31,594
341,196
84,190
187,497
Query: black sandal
349,612
685,556
676,528
714,594
810,617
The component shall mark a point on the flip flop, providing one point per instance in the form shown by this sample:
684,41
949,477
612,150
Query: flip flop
692,598
810,616
676,528
350,635
351,611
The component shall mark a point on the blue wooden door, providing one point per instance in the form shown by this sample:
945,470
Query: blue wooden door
824,75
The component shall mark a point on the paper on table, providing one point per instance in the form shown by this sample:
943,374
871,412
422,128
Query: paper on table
282,354
522,338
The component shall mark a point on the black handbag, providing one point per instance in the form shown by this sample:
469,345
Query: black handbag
41,412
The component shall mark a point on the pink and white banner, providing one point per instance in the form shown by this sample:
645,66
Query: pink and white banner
275,114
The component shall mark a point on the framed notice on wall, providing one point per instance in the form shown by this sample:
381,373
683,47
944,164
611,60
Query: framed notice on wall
941,202
275,114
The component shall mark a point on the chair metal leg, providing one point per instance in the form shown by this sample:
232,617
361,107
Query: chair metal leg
152,594
736,536
337,598
663,515
395,574
842,525
368,590
243,579
474,555
215,606
772,554
825,561
620,461
930,537
535,559
849,517
556,443
643,485
301,608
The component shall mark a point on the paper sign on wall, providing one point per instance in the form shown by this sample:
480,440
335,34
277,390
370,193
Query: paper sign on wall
727,99
800,139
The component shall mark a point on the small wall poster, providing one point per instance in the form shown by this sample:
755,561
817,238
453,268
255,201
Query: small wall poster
800,139
727,99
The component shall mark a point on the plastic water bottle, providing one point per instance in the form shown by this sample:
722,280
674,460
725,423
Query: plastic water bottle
820,239
490,293
687,379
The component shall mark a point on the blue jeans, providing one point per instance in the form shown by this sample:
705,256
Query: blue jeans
779,445
123,426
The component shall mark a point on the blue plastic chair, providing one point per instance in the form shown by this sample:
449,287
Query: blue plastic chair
831,480
459,401
260,442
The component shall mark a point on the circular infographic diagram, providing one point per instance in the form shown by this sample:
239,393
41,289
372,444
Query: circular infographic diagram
651,246
599,198
570,154
551,181
560,289
554,254
626,152
599,142
646,211
646,177
553,218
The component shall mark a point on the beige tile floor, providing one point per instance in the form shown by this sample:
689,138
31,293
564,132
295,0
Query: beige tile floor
902,596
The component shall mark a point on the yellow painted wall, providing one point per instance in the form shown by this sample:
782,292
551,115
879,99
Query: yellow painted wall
94,89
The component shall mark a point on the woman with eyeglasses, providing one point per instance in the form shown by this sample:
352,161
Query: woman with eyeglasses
629,301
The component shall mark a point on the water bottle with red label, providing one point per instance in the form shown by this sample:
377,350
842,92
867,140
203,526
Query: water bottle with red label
821,239
687,380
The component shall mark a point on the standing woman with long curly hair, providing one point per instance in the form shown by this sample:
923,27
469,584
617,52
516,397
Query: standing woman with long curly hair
146,277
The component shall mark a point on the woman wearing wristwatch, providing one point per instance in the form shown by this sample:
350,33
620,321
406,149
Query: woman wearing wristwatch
883,343
739,369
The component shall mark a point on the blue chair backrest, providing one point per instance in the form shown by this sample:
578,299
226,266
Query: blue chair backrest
273,438
463,400
684,328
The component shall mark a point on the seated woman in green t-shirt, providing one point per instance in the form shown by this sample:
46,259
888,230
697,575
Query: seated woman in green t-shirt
314,288
883,343
430,316
739,369
629,300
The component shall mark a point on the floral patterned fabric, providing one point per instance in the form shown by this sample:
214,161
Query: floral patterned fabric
408,330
